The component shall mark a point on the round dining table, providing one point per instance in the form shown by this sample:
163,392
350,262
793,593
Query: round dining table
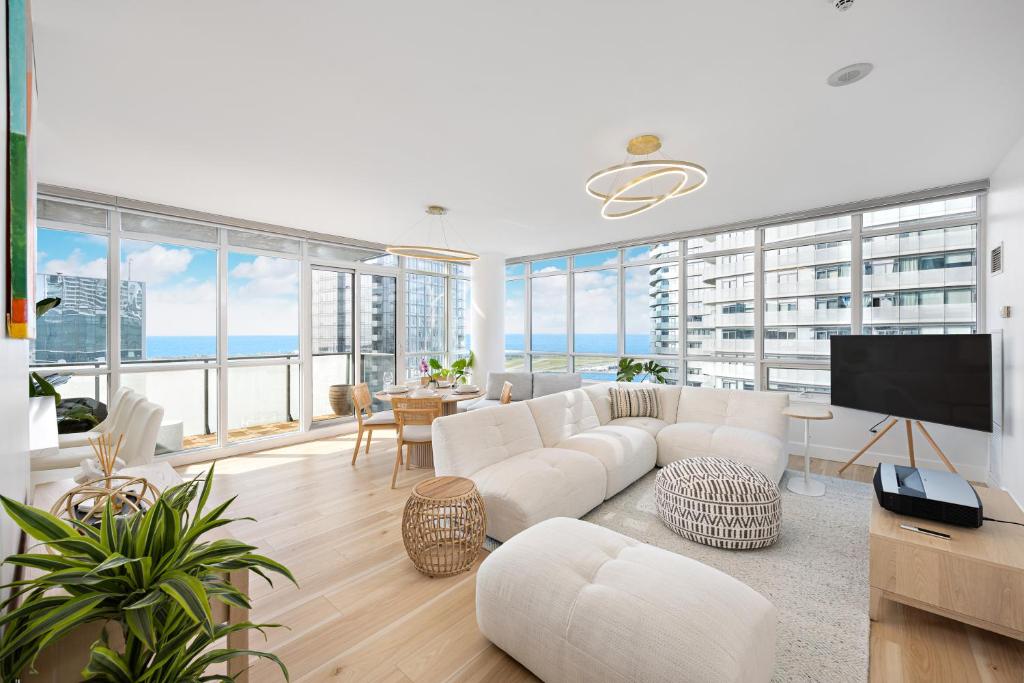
421,455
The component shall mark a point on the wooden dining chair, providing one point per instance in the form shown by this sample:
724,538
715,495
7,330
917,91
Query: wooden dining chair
367,419
414,417
506,393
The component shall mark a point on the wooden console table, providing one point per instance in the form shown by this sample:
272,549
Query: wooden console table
976,576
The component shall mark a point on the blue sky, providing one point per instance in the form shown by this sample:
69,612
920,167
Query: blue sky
181,283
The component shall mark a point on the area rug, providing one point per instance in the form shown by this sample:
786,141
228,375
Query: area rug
816,574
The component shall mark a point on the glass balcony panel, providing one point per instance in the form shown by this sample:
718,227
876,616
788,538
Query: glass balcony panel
596,310
799,380
549,317
329,370
378,328
189,400
596,368
515,315
514,362
546,363
263,400
717,373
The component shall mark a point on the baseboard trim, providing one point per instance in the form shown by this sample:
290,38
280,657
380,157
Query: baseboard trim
873,458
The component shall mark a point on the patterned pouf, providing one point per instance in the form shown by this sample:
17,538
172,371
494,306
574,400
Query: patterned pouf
719,503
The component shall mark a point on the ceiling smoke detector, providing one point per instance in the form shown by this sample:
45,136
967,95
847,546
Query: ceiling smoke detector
842,5
850,74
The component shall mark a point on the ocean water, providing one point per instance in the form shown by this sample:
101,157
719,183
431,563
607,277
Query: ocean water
206,347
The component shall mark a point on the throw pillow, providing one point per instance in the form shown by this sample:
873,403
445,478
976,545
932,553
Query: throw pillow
638,402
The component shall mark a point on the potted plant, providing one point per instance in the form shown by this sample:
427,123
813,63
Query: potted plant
631,370
149,573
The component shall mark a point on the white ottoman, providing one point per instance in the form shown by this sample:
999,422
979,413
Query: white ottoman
719,502
573,601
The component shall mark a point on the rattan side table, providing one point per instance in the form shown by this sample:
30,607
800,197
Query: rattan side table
443,525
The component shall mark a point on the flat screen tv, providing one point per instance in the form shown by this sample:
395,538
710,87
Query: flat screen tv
945,379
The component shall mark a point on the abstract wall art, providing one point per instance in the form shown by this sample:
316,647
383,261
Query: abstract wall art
21,185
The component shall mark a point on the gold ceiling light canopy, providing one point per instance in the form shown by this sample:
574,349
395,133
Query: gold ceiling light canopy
442,251
645,182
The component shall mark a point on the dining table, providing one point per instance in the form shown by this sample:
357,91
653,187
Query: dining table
421,455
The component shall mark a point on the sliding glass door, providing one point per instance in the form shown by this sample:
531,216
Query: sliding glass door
378,330
332,298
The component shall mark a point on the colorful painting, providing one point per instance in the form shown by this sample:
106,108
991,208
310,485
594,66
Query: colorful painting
21,186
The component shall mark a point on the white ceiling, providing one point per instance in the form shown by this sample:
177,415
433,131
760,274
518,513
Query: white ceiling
348,118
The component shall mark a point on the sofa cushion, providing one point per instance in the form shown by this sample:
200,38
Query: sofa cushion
574,601
559,416
668,399
761,451
633,401
537,485
757,410
467,442
651,425
545,383
522,385
626,453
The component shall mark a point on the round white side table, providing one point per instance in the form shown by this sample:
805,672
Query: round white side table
807,413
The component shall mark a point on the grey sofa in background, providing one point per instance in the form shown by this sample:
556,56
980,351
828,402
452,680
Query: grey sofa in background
526,385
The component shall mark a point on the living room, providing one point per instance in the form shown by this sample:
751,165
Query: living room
520,343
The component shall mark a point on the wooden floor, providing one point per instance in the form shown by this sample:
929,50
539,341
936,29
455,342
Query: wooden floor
363,613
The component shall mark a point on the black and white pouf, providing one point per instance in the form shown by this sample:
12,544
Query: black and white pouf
719,502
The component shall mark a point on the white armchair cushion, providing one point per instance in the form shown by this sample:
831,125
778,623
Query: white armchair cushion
761,451
467,442
559,416
537,485
626,453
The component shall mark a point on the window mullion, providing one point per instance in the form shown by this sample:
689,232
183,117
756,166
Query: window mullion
856,275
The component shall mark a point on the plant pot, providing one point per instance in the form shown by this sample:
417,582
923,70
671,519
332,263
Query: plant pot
340,396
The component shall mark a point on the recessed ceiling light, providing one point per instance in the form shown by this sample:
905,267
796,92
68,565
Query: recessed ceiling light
850,74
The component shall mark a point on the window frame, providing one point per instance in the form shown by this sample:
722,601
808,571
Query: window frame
855,234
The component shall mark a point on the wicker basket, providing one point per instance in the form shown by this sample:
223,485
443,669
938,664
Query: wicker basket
443,526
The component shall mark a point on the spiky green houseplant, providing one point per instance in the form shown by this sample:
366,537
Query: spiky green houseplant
151,573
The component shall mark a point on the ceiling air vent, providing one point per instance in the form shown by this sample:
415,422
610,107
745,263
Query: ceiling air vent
996,259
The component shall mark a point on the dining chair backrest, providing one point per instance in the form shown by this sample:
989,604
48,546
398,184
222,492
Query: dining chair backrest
415,411
139,445
362,401
506,393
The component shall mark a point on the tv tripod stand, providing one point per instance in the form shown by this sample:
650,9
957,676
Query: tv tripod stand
910,443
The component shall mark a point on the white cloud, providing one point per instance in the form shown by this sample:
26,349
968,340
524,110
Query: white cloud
185,309
549,305
595,304
156,264
266,276
75,264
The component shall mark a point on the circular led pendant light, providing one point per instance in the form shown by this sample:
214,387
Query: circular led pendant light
636,186
434,253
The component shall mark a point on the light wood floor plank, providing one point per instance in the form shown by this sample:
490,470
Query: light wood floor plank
363,613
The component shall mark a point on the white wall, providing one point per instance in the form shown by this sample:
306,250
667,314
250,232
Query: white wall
1006,225
841,437
14,470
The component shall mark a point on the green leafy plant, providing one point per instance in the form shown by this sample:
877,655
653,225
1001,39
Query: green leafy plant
149,572
79,414
631,370
39,386
458,372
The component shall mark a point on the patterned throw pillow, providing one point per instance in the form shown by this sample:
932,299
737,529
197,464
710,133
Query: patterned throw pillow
638,402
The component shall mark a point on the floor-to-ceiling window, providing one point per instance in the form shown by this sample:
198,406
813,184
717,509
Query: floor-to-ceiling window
238,333
759,304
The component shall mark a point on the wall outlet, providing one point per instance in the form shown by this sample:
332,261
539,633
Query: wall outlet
1004,311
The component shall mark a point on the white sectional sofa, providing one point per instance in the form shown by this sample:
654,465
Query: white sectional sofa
561,455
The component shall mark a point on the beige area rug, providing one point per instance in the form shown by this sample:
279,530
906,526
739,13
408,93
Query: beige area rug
816,574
